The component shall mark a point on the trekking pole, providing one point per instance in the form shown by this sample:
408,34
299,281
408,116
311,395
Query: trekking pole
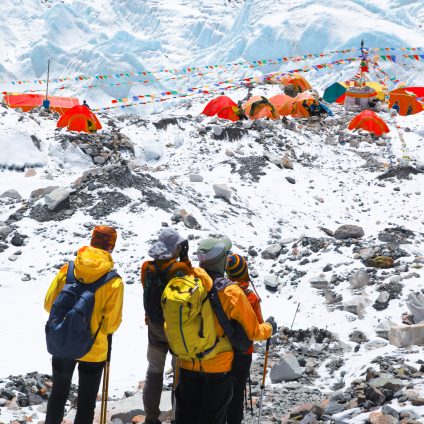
263,379
251,399
297,309
105,388
245,399
174,389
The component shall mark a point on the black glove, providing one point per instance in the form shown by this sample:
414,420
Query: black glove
184,250
271,321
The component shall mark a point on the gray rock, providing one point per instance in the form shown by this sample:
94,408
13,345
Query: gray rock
287,369
348,231
383,328
191,222
222,191
272,282
195,178
17,240
291,180
56,198
271,252
366,253
287,163
359,279
11,194
407,335
40,192
392,384
99,160
357,305
319,282
217,130
13,258
272,157
5,230
383,297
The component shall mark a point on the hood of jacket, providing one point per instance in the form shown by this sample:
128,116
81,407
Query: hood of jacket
91,264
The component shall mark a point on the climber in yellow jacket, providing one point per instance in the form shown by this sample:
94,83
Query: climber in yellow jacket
92,262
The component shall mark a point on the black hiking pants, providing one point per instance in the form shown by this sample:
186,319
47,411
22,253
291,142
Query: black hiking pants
90,374
203,398
240,371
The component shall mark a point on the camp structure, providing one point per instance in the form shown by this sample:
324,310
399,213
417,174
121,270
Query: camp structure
258,107
218,104
27,102
336,93
81,119
298,106
407,99
283,104
369,121
358,98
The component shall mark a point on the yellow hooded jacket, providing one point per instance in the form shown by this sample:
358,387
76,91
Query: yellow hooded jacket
90,265
236,306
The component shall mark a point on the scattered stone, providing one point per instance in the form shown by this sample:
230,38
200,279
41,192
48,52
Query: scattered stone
57,199
407,335
195,178
222,191
17,240
380,262
11,194
319,282
383,328
348,231
5,230
380,418
287,369
271,252
359,279
327,231
287,163
272,282
31,172
40,192
291,180
191,222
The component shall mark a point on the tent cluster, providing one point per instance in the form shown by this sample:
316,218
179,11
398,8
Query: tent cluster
74,116
303,105
346,93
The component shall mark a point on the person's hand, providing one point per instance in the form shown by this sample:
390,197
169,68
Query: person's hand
274,325
184,250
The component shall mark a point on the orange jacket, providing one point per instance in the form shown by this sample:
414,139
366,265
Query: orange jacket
90,265
236,306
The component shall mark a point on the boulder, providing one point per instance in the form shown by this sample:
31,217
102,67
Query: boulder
407,335
287,163
366,253
383,328
40,192
387,383
380,418
272,281
348,231
56,198
191,222
5,230
287,369
380,262
222,191
271,252
359,279
375,395
217,130
11,194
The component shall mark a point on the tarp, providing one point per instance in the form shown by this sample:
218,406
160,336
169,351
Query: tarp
369,121
80,118
258,107
28,102
217,104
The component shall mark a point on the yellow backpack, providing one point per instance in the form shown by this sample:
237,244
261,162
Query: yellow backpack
189,319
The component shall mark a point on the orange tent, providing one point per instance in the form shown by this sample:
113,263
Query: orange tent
216,105
369,121
298,110
282,104
258,107
80,118
28,102
297,81
406,100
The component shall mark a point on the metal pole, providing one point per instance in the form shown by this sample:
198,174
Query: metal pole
263,379
48,77
105,389
250,394
297,309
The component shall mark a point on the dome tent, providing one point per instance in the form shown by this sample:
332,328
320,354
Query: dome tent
81,119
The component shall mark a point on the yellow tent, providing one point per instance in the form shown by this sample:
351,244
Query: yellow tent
378,88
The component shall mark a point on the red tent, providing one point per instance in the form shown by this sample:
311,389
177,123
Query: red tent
28,102
216,105
229,113
369,121
80,118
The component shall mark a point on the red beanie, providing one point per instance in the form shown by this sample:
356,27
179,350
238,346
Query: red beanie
104,238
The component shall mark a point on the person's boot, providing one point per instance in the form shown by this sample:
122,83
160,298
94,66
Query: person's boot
151,397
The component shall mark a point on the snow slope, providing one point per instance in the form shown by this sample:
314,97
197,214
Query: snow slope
105,37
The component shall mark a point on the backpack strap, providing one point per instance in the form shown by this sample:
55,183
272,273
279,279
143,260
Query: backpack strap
219,311
102,281
70,276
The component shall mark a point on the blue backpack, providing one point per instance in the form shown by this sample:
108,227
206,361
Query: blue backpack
68,333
